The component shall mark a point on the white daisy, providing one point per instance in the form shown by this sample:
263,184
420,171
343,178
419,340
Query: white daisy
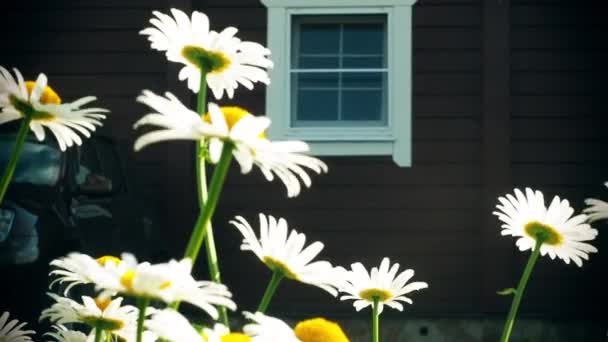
179,122
597,209
381,283
78,268
172,326
244,131
227,60
12,331
63,334
169,282
526,217
286,253
268,329
102,313
41,104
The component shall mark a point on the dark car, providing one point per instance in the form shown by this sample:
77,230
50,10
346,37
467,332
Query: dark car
58,202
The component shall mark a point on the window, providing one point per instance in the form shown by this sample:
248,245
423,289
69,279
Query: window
342,75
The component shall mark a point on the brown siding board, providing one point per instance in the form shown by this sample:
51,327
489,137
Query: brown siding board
571,106
83,19
449,106
558,152
360,196
66,63
81,41
446,83
553,83
543,15
383,172
446,38
442,152
357,221
448,61
70,4
556,60
447,16
559,129
554,38
567,174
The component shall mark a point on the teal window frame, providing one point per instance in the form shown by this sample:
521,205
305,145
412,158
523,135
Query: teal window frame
394,139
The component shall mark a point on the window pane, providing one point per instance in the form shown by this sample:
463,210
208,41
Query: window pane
314,97
319,38
363,62
364,105
365,80
343,97
316,80
314,62
364,38
316,105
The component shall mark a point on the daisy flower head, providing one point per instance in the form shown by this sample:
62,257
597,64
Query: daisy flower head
12,331
243,131
39,103
101,313
319,330
168,282
597,209
247,134
526,217
226,60
176,120
382,284
172,326
77,268
283,251
63,334
266,328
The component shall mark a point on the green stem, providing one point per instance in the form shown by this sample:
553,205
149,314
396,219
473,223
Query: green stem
277,276
375,321
217,183
98,334
201,179
506,333
12,163
142,305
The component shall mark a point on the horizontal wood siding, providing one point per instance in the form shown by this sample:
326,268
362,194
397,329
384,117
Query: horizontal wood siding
558,118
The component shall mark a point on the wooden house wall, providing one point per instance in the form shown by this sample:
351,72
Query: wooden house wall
558,54
502,97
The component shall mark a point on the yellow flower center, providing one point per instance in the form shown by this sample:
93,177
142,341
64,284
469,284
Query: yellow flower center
278,265
235,337
102,302
380,294
49,96
320,330
127,279
232,115
108,258
543,232
212,62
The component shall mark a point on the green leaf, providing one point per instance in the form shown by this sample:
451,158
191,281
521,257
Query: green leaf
506,292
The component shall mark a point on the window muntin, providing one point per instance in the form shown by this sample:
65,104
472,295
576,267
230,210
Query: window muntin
339,73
